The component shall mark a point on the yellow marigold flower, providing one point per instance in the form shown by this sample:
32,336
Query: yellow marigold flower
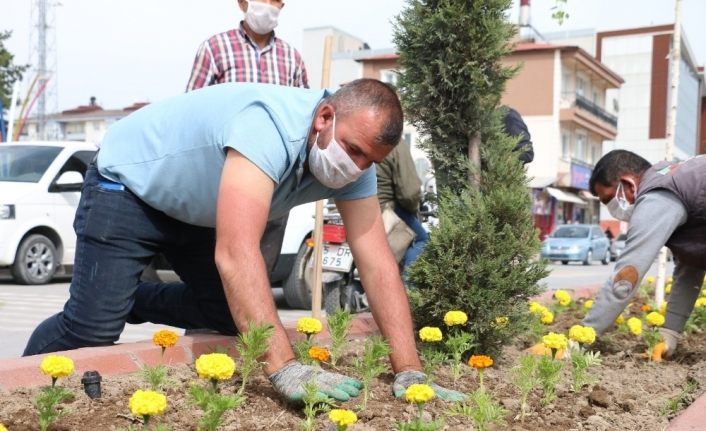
419,393
654,319
669,280
480,361
650,279
582,334
2,427
309,325
700,303
635,326
563,297
147,403
536,308
668,288
547,317
703,292
57,366
555,341
646,308
501,321
165,338
588,304
215,366
620,320
320,354
430,334
663,308
342,417
453,318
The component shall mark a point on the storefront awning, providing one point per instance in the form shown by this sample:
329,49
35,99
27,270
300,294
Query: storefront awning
585,194
541,182
563,196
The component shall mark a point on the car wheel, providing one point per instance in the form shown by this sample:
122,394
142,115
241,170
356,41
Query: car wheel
35,261
564,262
297,293
589,257
606,258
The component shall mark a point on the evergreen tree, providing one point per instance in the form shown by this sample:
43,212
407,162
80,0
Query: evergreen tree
9,73
482,257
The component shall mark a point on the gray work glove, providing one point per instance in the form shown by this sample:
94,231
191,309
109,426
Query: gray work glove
289,381
670,339
406,378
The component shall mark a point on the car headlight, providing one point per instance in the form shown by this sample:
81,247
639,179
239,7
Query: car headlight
574,249
7,212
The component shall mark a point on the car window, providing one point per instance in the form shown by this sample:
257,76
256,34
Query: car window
571,232
622,237
78,162
25,163
597,233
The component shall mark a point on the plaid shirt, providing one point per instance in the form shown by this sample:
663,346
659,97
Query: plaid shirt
233,57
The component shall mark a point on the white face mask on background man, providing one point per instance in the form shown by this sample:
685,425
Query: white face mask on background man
332,166
619,207
261,17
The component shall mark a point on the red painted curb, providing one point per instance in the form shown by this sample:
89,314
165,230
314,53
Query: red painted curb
129,357
693,418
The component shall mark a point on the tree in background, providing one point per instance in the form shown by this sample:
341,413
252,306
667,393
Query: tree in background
481,259
9,73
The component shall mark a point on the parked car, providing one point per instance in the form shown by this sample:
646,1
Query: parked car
616,248
40,187
577,242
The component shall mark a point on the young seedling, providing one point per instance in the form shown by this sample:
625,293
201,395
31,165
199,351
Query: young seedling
419,394
308,326
372,364
581,359
482,409
314,403
457,344
156,376
338,325
549,369
54,366
681,401
654,320
432,357
524,377
213,367
251,345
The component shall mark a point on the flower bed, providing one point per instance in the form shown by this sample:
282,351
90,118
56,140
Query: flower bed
631,393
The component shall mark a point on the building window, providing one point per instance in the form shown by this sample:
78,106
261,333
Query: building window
580,86
580,148
388,77
565,145
595,153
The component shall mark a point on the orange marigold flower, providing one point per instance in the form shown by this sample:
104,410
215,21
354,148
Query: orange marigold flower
165,338
646,308
480,361
320,354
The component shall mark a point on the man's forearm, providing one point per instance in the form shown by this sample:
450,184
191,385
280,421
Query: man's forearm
250,299
686,288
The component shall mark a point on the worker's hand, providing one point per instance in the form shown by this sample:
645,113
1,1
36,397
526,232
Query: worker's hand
406,378
665,349
289,381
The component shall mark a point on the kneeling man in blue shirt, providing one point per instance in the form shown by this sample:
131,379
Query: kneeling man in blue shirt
197,177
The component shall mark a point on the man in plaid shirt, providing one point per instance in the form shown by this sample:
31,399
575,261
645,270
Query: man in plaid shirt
252,53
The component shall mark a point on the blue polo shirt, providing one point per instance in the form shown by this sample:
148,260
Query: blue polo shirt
171,153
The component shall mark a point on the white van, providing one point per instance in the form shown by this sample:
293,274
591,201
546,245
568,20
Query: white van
40,187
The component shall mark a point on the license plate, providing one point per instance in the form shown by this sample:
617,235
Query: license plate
336,257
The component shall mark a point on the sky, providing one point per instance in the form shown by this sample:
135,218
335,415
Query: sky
130,51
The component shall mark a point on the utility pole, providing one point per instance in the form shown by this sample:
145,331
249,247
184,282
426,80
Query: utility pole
671,133
43,57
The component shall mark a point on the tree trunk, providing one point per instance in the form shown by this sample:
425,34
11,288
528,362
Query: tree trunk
474,158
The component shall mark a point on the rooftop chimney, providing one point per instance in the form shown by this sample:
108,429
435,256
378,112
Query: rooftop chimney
93,101
524,13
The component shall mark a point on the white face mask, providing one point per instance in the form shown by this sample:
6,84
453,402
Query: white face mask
619,207
332,166
261,17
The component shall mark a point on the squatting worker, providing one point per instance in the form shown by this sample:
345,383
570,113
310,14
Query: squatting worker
665,204
231,156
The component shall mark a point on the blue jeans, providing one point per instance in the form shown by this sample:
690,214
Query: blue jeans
420,240
117,237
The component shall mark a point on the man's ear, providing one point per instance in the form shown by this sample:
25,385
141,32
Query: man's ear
243,5
324,115
630,184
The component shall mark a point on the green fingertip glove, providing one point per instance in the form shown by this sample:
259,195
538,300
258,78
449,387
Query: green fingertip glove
406,378
289,381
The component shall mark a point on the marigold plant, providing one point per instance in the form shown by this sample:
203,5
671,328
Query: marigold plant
215,367
582,334
501,322
547,317
57,366
2,427
620,319
480,363
562,297
430,334
555,342
320,354
654,319
635,326
419,393
536,308
455,317
701,302
343,418
588,304
165,338
147,403
309,325
663,308
650,279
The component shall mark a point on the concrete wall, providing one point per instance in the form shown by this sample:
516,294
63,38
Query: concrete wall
531,91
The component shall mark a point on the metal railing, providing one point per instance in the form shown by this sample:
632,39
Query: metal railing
586,104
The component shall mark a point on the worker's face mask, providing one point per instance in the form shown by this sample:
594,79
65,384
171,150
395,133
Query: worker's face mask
332,166
619,207
261,17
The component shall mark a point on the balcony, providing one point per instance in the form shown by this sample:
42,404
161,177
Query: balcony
596,110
